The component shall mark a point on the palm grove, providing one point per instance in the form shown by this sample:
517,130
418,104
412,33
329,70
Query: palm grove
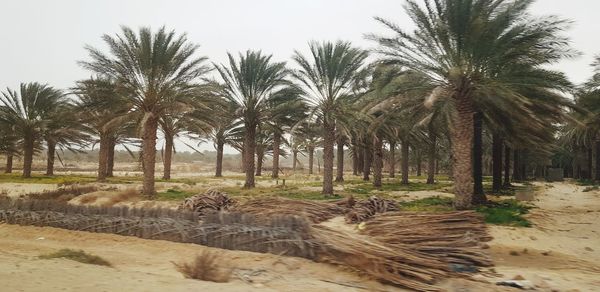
467,91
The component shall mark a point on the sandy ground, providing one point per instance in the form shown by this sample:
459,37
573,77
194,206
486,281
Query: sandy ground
560,253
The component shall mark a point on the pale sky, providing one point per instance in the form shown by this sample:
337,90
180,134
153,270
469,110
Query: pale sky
42,40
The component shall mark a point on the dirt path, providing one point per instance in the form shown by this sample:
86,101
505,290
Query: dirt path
562,250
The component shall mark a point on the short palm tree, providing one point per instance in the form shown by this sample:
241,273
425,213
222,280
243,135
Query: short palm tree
30,111
466,48
250,82
157,71
327,75
8,144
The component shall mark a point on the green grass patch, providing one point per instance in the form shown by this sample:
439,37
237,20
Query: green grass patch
395,186
431,204
507,212
78,256
173,195
290,192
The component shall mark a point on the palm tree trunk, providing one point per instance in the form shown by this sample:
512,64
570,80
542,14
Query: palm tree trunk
50,153
590,157
392,159
110,161
524,162
496,162
103,157
597,174
149,155
168,156
354,156
516,165
405,146
311,159
419,163
9,163
360,166
260,155
367,159
478,194
506,166
276,143
377,162
27,155
328,141
431,167
340,160
462,150
249,150
219,168
295,158
243,154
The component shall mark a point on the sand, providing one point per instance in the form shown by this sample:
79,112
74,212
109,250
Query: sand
560,253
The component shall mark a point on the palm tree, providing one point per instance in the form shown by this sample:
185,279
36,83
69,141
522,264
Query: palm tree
29,111
479,49
158,72
104,110
327,75
8,144
250,82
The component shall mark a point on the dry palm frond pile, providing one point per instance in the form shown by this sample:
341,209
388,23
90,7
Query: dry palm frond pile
455,237
64,193
399,265
223,230
316,212
211,201
365,209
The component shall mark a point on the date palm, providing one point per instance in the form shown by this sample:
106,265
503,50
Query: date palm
157,71
250,82
29,111
468,49
8,144
328,74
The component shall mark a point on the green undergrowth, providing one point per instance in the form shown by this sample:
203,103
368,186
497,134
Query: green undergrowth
506,212
366,188
78,256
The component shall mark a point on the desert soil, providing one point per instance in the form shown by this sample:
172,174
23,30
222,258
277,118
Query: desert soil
561,252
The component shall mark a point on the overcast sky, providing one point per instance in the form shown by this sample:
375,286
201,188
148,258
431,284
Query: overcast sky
42,40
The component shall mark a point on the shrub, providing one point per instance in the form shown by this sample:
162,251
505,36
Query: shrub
78,256
205,267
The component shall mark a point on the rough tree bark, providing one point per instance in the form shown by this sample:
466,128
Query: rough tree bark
377,162
260,155
311,159
168,155
478,193
506,166
50,153
328,141
590,158
360,151
295,158
340,160
597,174
219,168
110,161
103,158
405,148
462,146
354,156
9,163
367,159
150,128
249,150
27,155
431,164
392,159
276,145
497,144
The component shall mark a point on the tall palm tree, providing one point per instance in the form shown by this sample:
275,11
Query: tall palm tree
480,49
327,75
29,111
158,71
250,82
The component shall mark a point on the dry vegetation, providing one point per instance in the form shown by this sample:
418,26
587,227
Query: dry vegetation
78,256
207,266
